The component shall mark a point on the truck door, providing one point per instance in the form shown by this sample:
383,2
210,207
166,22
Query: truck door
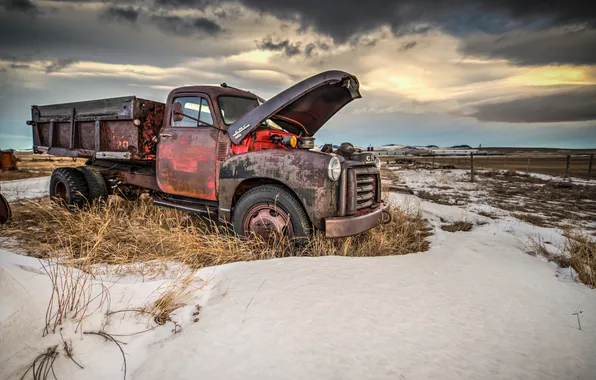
186,152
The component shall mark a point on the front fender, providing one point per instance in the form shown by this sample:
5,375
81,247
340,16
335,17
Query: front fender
302,171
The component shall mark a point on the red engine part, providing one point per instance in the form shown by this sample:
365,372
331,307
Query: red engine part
261,139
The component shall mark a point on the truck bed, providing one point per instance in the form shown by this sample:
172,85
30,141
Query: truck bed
115,128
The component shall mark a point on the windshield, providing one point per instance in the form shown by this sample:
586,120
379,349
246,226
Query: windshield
233,108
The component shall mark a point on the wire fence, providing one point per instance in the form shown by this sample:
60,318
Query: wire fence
577,166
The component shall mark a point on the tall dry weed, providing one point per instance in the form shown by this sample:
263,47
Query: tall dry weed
121,233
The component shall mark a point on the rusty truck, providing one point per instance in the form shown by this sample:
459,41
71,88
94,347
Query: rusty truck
220,151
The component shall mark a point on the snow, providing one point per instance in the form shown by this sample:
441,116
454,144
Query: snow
25,188
474,306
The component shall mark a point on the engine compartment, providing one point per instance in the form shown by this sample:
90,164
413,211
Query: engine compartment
261,139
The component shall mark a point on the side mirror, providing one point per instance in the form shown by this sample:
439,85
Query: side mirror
177,114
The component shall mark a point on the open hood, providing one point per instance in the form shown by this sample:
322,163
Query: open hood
304,107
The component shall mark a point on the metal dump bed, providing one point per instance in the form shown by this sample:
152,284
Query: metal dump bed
115,128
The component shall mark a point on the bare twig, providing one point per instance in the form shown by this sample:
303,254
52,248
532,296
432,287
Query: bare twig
68,350
249,302
43,364
142,311
578,322
109,337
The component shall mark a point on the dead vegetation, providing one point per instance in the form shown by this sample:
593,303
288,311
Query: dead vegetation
534,219
38,165
457,226
577,252
176,294
122,233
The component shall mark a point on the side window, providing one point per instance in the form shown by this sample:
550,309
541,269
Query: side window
189,109
205,114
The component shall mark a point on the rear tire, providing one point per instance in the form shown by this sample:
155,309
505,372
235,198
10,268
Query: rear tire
68,187
270,206
98,189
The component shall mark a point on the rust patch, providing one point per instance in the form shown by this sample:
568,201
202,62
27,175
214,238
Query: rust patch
8,161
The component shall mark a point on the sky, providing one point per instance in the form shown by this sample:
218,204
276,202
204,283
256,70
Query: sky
431,72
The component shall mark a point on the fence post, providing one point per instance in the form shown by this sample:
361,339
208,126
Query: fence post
433,161
528,166
505,162
567,164
590,167
471,166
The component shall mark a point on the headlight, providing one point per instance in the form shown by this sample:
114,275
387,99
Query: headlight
377,162
334,169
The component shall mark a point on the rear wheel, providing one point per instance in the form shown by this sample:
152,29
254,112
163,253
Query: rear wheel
270,212
5,213
98,189
68,187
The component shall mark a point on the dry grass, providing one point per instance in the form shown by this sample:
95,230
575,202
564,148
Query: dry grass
581,249
578,252
534,219
488,215
38,165
123,233
175,295
457,226
74,295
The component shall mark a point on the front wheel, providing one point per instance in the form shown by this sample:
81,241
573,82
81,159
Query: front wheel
270,211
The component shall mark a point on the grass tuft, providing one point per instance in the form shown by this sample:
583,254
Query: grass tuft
122,233
578,252
457,226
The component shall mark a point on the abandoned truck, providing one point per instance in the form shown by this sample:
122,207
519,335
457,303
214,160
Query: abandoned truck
220,151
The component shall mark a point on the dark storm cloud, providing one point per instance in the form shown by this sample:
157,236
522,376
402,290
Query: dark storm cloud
196,4
342,20
114,13
59,64
19,66
24,6
186,27
309,49
408,45
575,47
289,48
577,104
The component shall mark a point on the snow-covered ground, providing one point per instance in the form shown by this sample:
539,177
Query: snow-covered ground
474,306
25,188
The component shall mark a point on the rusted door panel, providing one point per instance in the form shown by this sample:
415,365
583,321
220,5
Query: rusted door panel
187,157
186,162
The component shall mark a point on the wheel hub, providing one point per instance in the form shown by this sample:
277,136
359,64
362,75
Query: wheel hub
60,191
268,221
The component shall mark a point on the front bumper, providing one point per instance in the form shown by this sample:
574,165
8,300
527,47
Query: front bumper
353,225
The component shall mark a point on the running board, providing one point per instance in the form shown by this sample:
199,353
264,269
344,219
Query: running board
205,210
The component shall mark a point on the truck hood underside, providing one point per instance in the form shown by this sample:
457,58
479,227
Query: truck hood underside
306,106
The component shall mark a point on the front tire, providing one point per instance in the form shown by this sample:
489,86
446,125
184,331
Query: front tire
270,211
68,187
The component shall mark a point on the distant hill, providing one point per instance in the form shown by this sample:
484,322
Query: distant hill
461,146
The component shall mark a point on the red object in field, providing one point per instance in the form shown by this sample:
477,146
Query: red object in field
8,161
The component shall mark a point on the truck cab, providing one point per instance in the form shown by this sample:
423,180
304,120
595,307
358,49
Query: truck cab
223,152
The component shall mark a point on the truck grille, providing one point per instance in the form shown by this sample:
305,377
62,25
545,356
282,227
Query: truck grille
365,190
362,189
